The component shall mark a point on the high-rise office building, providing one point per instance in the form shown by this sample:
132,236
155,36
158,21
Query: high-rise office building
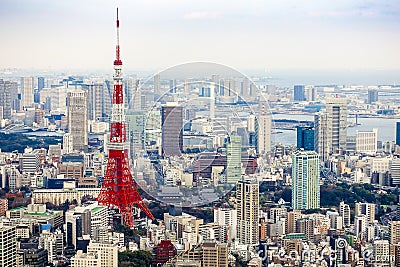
305,180
40,83
107,98
5,99
78,119
398,133
331,128
135,120
171,126
233,159
299,93
247,199
57,96
27,91
367,141
305,138
372,96
310,93
264,132
95,100
30,162
172,86
367,209
157,84
244,89
395,171
8,245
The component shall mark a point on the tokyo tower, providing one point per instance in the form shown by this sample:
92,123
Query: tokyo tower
119,189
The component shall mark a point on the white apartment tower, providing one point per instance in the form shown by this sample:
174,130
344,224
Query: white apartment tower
264,132
225,216
247,199
344,211
367,141
8,245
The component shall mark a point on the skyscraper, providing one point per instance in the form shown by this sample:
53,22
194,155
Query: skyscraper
331,128
27,91
95,100
247,199
135,121
172,86
264,132
157,87
305,138
5,98
78,119
171,124
372,96
244,90
8,246
398,133
305,180
40,83
233,159
299,93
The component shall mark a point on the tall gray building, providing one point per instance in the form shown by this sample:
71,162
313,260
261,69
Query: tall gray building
78,119
331,128
95,100
5,98
171,126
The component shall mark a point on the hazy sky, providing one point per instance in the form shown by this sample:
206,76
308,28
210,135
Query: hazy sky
252,34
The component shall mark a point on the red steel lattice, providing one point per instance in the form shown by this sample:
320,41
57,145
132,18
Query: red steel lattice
119,189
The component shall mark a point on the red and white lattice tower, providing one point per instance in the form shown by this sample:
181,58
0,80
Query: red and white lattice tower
119,189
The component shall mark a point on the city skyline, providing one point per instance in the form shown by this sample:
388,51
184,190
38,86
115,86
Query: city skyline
269,36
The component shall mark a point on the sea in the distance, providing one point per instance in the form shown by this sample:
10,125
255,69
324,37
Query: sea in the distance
386,128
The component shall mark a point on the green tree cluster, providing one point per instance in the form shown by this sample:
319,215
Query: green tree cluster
139,258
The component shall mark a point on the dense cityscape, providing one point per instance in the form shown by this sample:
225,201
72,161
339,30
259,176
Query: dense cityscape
198,165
